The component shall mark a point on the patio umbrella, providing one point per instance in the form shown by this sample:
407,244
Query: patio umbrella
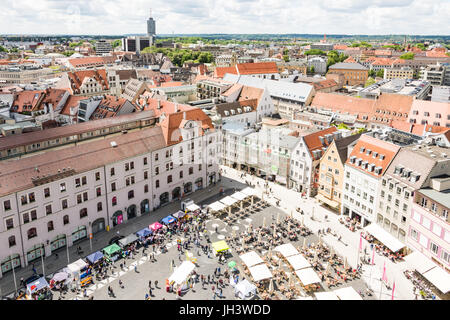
274,231
345,263
232,264
279,263
320,239
60,276
249,229
332,251
278,218
242,241
233,233
292,214
264,222
271,286
304,243
289,226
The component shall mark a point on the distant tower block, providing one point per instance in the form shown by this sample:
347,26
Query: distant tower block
151,26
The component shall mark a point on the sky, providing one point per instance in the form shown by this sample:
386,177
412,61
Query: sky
117,17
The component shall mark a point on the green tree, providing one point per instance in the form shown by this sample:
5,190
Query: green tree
372,73
370,81
315,52
380,73
116,43
68,53
286,58
421,46
2,49
407,56
312,69
343,126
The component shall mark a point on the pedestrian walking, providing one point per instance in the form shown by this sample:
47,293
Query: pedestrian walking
156,284
135,268
150,284
34,269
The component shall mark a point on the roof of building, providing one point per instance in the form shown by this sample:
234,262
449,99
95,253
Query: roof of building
347,66
417,129
350,60
109,107
78,77
91,61
250,93
247,69
54,133
382,62
313,142
372,151
72,102
174,121
343,143
232,90
324,84
225,109
160,107
17,175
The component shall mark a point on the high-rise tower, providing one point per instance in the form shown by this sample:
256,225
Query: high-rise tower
151,26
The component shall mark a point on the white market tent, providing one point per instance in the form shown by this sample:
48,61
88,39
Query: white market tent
439,278
251,259
249,191
287,250
193,207
239,196
327,295
307,276
384,237
347,294
217,206
245,289
228,201
260,272
419,262
77,266
298,262
182,272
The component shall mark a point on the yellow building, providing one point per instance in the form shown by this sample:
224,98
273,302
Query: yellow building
331,171
398,73
354,73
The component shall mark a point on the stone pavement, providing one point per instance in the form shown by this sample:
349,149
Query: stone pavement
314,219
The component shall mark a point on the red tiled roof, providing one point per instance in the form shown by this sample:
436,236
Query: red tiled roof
91,61
340,47
76,78
108,107
417,129
248,93
324,84
313,142
71,102
381,147
165,106
383,61
350,60
247,69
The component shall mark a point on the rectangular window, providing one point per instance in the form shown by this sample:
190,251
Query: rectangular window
31,197
97,176
79,198
113,172
64,204
145,175
48,209
62,187
9,223
83,181
113,186
26,218
47,192
434,248
33,215
85,196
77,182
99,191
145,161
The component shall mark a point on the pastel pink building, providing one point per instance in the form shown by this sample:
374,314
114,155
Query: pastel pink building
429,112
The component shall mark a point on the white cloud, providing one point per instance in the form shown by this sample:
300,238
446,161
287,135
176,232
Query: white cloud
231,16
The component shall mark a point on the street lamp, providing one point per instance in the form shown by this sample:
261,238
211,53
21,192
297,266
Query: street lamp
42,259
90,235
67,248
14,272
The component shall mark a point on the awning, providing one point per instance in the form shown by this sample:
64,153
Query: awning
144,232
217,206
182,272
193,207
168,220
110,250
155,226
439,278
298,262
280,179
60,276
260,272
94,257
327,295
347,294
419,262
220,246
180,214
228,201
128,240
287,250
249,191
329,202
251,259
37,285
307,276
384,237
239,196
77,266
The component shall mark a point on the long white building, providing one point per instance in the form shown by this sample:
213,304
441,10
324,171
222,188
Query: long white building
54,199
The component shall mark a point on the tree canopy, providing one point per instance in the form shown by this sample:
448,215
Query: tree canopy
315,52
407,56
116,43
180,56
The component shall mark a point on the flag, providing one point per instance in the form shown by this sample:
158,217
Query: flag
393,289
384,278
360,242
373,256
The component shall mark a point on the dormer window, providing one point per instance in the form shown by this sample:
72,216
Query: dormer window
375,154
239,110
352,159
368,152
226,113
362,149
233,112
398,170
359,161
382,156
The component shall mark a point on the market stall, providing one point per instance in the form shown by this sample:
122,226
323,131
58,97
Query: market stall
39,290
155,226
439,278
327,295
251,259
179,215
298,262
60,279
81,271
168,220
260,272
112,253
287,250
217,206
128,241
95,258
144,233
220,247
347,294
193,207
181,273
244,289
229,202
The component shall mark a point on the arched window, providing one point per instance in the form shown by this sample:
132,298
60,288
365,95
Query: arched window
50,226
169,179
114,201
131,194
83,213
31,233
12,241
66,219
157,184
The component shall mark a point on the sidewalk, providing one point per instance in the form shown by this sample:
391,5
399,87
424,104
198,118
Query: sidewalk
347,247
101,240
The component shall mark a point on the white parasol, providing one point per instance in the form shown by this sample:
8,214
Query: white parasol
290,279
264,222
274,231
271,286
303,222
320,239
316,257
278,218
345,263
304,243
